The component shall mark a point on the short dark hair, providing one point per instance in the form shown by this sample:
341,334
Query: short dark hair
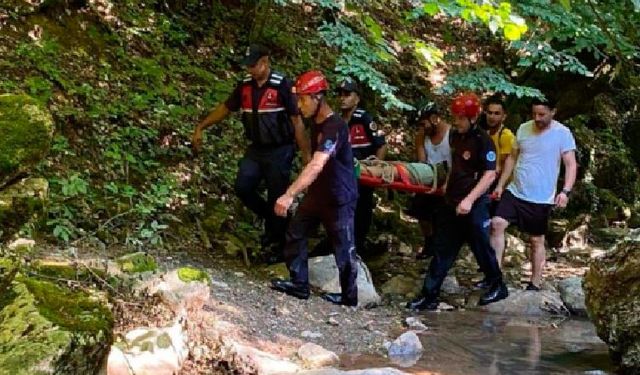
495,99
546,101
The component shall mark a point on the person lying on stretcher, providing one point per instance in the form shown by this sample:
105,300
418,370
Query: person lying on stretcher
384,173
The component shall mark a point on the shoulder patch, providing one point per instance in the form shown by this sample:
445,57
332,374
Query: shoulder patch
328,144
491,156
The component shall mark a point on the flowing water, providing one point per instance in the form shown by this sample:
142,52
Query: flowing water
465,342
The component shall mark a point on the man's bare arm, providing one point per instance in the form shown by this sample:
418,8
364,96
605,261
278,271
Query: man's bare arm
308,174
509,165
570,169
219,113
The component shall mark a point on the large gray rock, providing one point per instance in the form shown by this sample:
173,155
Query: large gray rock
572,295
157,351
323,274
531,303
612,296
183,290
314,356
248,360
406,350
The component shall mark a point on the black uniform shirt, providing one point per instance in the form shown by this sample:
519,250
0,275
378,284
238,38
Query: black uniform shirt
336,183
364,135
472,153
266,110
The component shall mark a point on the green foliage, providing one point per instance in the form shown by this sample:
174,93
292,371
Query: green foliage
562,33
358,58
486,79
497,17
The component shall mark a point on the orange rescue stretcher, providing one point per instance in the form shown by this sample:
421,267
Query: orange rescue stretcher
397,176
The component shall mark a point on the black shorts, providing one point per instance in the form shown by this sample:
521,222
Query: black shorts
424,206
531,218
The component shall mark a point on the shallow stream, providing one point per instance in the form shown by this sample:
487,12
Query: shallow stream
467,342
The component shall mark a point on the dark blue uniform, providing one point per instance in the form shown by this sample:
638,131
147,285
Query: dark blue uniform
365,142
473,153
266,117
330,200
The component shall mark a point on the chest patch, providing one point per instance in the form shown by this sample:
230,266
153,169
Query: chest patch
358,135
269,99
466,155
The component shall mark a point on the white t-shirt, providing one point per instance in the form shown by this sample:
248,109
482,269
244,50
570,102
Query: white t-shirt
535,175
440,152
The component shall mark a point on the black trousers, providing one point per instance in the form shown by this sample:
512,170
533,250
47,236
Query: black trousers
362,223
273,165
452,231
363,216
338,223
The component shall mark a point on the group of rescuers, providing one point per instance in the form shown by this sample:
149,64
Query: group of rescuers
495,178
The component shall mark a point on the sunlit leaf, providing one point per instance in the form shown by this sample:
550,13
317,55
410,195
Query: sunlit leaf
512,32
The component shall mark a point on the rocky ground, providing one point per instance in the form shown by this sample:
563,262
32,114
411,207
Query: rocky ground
261,318
239,307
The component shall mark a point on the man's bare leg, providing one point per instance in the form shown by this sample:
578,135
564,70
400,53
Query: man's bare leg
538,259
497,239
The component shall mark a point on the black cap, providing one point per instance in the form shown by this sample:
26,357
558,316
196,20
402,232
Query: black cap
253,53
425,109
349,85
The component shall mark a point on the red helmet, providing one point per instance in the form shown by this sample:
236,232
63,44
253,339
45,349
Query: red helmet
466,104
311,82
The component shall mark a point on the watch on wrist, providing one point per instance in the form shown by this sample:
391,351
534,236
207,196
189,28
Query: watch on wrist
566,192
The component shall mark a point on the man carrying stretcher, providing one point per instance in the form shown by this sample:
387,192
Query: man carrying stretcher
465,215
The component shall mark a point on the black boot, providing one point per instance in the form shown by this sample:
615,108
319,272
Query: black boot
423,303
290,288
497,292
336,298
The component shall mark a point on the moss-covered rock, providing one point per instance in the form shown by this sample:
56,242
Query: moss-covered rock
45,329
612,296
137,262
65,270
27,130
20,203
189,274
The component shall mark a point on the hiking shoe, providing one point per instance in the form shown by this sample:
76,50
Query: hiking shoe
336,299
290,288
533,287
497,292
423,303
